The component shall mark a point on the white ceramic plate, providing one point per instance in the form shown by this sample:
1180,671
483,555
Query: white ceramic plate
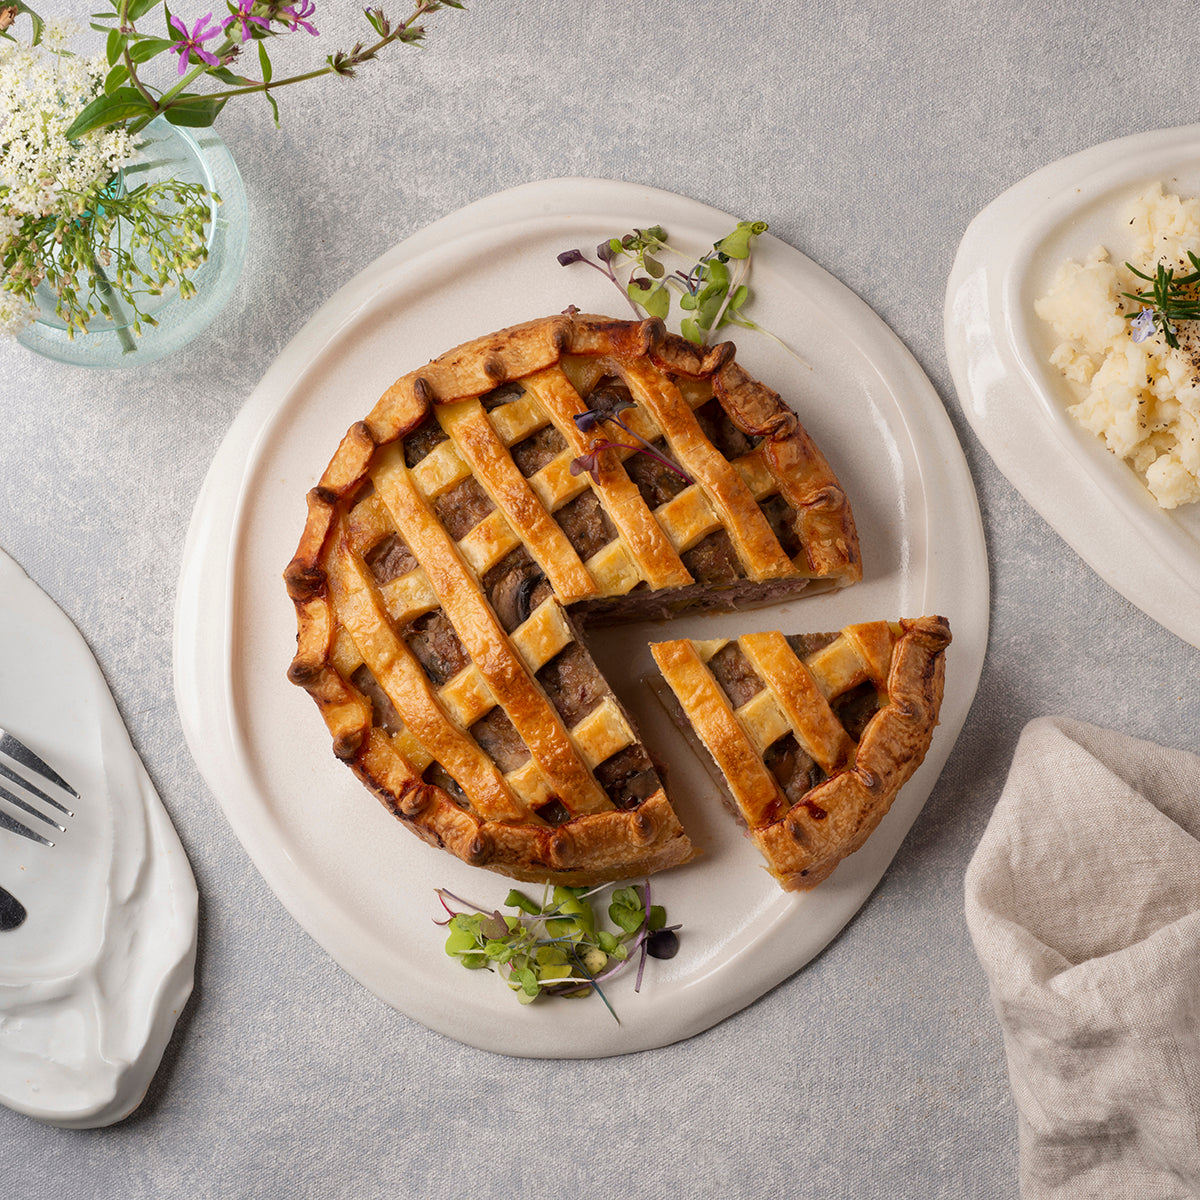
361,884
998,350
93,981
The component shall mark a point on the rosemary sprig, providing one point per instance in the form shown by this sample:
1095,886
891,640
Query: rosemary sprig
1170,299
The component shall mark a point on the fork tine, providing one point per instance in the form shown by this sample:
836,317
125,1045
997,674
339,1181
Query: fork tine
15,826
19,752
16,752
25,806
21,781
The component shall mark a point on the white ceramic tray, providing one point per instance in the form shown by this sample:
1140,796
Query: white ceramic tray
998,350
355,879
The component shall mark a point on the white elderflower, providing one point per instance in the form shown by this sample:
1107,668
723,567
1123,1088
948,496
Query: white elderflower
15,313
42,90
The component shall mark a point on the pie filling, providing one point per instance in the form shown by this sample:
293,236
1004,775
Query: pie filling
571,471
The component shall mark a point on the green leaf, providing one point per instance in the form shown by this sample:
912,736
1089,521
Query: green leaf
264,61
193,112
691,331
124,103
654,268
113,80
114,46
227,76
139,8
146,48
274,106
38,24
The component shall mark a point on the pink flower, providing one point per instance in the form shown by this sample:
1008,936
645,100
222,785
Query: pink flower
243,16
193,43
294,17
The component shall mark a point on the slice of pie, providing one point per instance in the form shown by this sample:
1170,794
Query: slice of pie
815,734
569,470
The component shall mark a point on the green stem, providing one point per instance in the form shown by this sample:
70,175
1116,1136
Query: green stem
164,101
127,340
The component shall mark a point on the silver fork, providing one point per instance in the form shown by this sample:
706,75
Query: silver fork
19,767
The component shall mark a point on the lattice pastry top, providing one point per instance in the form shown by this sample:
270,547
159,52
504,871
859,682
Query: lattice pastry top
483,497
814,735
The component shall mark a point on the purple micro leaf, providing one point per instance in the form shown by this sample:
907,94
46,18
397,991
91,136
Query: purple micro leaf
589,463
607,403
567,257
587,421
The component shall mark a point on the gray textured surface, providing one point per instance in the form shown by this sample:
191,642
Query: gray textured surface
868,135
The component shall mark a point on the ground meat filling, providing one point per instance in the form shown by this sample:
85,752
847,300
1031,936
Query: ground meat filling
515,586
573,683
732,670
383,712
586,524
436,647
781,516
422,440
554,812
628,777
795,771
856,707
722,432
462,508
498,738
657,483
805,644
502,395
713,560
538,449
436,774
390,559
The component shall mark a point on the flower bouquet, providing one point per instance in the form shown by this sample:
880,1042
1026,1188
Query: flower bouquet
86,233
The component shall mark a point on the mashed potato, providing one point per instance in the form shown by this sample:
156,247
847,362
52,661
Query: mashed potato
1142,398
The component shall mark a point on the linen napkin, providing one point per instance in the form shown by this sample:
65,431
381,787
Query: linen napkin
1083,901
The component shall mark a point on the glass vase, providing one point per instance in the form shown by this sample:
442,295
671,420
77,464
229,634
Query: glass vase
167,152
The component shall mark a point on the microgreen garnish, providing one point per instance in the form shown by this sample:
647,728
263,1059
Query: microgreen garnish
713,288
1169,299
605,404
557,948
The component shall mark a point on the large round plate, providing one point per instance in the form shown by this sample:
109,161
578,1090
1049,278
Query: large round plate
361,884
998,350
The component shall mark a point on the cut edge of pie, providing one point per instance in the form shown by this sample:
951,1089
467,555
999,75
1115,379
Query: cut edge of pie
813,735
439,586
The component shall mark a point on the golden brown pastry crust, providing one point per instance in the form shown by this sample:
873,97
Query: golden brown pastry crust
348,620
803,839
